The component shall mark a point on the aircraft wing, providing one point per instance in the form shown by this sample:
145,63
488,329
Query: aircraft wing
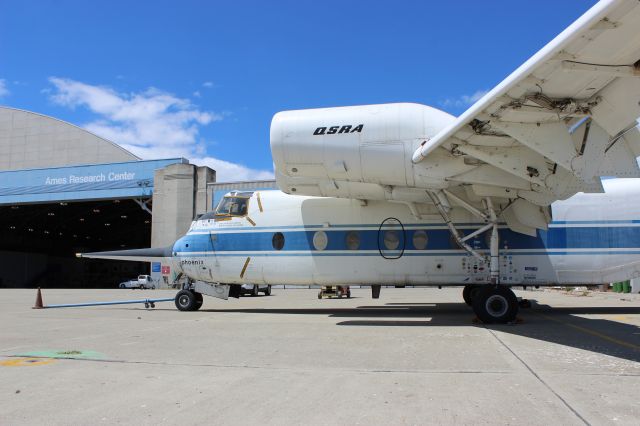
554,127
562,120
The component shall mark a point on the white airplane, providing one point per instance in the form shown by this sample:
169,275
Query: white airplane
508,194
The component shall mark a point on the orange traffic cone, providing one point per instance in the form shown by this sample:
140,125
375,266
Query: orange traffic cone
39,304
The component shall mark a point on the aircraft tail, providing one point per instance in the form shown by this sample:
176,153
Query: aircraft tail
134,255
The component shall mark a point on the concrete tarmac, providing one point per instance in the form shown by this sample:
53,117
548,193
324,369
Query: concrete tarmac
414,356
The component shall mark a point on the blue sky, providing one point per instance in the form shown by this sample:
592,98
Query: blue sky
203,79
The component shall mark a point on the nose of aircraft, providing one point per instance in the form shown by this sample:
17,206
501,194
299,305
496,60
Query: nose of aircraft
180,246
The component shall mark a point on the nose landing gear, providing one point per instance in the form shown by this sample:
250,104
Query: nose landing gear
187,300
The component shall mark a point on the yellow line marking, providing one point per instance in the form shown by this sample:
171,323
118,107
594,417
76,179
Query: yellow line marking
620,318
25,362
259,203
244,268
250,221
594,333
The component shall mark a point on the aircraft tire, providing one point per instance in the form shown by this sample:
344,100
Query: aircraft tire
256,290
495,304
267,292
199,301
186,300
468,293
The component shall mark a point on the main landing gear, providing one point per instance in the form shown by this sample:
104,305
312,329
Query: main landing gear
492,303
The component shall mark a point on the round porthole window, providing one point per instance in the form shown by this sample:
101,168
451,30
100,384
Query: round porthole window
352,240
391,240
278,241
320,240
420,240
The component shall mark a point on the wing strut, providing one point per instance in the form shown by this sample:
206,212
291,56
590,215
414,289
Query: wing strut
451,226
491,217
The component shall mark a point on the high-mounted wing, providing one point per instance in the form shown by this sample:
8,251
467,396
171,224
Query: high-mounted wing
561,121
564,118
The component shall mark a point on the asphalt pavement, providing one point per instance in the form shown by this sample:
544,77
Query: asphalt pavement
414,356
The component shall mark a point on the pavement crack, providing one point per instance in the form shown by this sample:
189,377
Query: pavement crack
540,379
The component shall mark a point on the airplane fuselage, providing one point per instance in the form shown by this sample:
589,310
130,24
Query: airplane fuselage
299,240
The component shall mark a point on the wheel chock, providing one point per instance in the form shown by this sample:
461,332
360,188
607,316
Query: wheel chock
524,303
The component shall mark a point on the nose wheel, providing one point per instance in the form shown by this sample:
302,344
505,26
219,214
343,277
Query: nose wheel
494,304
187,300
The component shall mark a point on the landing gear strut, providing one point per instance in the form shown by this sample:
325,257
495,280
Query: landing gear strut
494,304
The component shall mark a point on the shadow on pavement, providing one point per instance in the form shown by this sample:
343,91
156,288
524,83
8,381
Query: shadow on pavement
563,326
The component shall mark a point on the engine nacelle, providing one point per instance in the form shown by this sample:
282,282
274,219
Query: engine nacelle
355,152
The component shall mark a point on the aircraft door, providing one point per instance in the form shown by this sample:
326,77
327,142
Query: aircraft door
391,238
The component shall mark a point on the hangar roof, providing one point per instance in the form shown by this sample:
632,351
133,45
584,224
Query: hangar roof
29,140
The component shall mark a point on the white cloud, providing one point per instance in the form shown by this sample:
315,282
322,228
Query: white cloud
464,100
4,91
151,124
197,94
208,84
232,171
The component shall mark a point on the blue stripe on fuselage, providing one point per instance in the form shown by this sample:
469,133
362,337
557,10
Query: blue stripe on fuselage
582,237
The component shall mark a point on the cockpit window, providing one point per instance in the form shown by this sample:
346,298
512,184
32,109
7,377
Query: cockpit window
232,206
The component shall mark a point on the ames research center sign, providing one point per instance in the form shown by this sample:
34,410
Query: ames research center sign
80,183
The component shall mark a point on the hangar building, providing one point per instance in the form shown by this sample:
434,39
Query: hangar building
64,190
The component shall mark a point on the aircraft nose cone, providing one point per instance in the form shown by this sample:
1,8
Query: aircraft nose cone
178,247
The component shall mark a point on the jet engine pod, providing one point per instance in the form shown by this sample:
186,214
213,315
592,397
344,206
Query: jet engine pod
350,151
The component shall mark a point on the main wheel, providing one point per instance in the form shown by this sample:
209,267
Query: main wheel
255,290
186,300
267,292
468,293
495,304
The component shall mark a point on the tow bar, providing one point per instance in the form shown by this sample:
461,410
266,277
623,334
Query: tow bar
148,303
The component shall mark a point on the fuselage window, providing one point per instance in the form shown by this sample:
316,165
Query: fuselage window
320,240
232,206
420,240
391,240
278,241
352,240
